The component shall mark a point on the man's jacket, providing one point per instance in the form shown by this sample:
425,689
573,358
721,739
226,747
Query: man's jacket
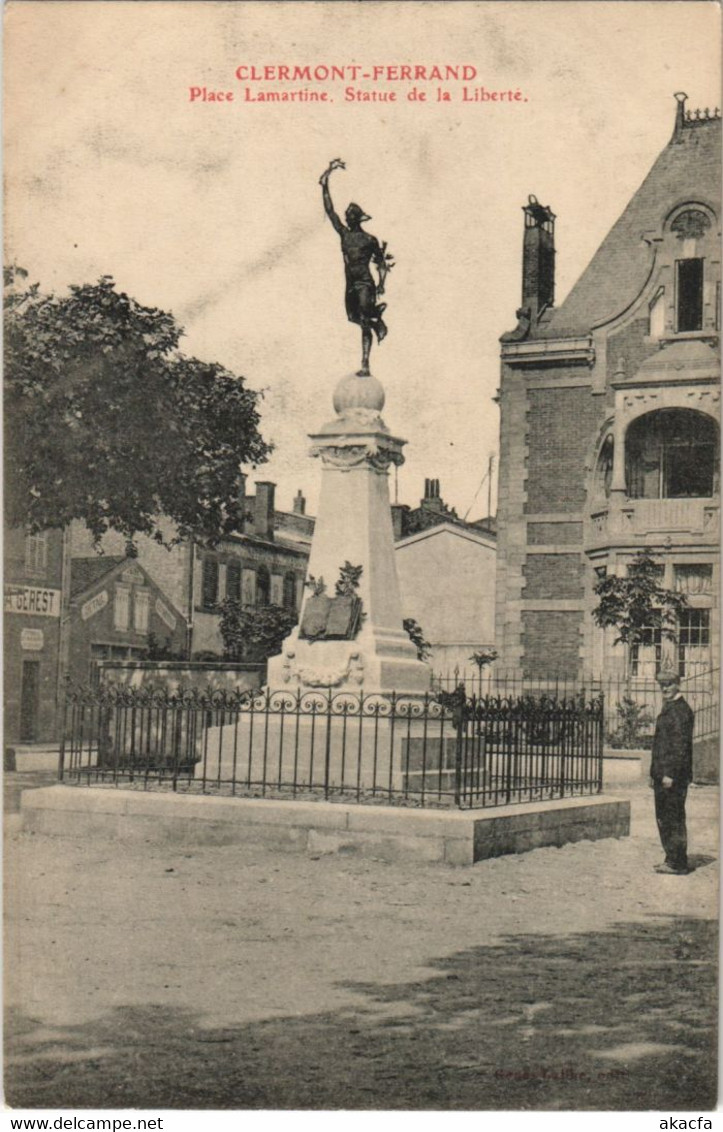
673,743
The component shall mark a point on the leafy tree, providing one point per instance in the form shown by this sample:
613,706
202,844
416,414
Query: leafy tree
162,650
636,603
634,722
484,657
107,422
253,633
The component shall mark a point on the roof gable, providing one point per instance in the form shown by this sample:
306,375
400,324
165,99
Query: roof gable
687,169
467,533
86,572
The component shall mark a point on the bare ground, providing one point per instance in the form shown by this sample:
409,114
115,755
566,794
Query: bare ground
237,977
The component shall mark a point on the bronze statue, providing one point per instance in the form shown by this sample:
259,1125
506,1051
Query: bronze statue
359,249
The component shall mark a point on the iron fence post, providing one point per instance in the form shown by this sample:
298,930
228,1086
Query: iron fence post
459,724
61,752
327,749
600,742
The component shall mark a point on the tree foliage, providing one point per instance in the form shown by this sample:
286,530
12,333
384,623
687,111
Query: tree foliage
633,725
107,422
483,657
163,650
253,633
636,603
415,632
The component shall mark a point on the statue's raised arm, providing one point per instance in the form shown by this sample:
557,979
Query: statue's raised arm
360,249
336,163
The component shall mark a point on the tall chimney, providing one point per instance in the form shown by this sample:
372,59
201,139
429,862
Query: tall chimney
400,516
264,510
299,503
241,499
538,257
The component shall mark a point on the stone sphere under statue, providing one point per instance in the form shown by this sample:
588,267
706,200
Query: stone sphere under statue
354,392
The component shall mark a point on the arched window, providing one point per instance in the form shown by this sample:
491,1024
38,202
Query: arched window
263,586
693,235
671,454
604,469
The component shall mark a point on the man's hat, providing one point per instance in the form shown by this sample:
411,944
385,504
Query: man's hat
356,212
668,676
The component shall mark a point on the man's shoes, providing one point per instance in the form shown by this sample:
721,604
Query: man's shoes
670,871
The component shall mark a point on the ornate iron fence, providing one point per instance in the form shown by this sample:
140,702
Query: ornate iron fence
632,703
436,750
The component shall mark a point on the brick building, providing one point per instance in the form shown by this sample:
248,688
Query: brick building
609,421
115,609
36,600
263,564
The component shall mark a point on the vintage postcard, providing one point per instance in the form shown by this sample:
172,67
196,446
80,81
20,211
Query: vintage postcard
362,631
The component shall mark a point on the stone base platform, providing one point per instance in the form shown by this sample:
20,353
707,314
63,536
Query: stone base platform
623,766
386,832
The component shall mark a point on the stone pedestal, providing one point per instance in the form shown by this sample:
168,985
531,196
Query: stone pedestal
354,525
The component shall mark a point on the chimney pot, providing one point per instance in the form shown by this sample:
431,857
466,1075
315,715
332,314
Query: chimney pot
299,503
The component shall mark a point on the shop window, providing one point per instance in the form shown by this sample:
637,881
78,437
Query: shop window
141,610
689,278
36,555
263,586
100,652
671,454
121,608
209,583
233,580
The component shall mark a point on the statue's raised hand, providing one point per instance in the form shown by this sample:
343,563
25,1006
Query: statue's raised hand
336,163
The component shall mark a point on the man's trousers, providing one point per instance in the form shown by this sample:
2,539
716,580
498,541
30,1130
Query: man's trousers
670,816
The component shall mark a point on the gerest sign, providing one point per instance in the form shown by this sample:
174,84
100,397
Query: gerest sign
33,600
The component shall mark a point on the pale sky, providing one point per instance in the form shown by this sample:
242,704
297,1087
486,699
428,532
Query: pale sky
213,210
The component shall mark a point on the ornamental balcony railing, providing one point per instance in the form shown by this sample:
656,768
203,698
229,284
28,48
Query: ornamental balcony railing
655,516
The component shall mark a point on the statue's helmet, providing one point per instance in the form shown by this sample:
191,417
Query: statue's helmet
355,214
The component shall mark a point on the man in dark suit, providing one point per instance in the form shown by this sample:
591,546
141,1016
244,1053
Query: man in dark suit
671,770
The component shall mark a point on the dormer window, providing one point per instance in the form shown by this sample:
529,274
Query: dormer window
689,294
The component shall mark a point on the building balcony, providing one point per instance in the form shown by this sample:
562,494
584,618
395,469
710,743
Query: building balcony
640,517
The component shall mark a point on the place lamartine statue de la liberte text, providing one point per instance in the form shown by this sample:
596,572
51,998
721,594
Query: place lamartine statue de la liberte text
354,82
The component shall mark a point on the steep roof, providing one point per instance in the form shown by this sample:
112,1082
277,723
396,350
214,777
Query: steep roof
689,168
85,572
